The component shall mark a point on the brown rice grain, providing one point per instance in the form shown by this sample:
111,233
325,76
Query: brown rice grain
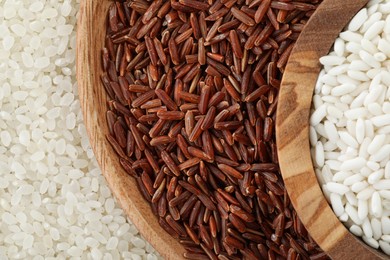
216,154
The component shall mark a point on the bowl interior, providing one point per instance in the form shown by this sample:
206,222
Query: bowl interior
292,132
90,41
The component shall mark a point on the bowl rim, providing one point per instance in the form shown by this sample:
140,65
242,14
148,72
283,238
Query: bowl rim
91,31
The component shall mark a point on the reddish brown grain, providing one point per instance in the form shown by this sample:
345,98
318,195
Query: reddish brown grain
193,88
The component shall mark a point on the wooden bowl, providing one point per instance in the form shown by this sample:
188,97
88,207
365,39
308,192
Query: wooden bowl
90,40
292,132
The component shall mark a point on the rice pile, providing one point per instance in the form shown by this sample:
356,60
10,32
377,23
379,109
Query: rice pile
193,90
54,203
350,125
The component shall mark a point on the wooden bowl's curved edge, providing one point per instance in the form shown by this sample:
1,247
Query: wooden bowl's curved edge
292,132
93,104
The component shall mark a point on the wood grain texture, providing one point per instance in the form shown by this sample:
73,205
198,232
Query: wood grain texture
292,132
90,40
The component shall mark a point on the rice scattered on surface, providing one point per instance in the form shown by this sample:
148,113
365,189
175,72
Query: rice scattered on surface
54,203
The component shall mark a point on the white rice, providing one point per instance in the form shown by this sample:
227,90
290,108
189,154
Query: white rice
54,202
350,125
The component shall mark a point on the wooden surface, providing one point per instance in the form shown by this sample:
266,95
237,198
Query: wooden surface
292,132
90,39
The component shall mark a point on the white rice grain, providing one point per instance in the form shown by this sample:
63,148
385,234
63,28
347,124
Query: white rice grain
376,228
356,230
371,242
352,213
358,20
374,30
385,246
337,188
376,205
367,229
375,176
381,120
337,204
353,164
